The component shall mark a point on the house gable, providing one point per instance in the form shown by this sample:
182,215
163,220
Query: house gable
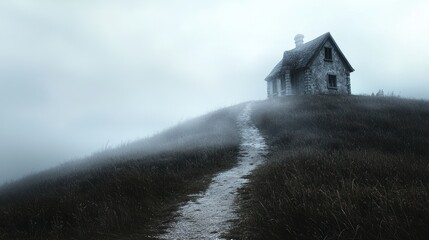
323,71
329,40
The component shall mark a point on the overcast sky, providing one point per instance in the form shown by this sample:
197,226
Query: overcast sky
77,76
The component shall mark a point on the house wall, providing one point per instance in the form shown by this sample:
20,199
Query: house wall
277,82
300,87
270,87
319,70
279,87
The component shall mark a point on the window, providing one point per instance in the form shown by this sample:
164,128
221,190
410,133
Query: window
332,81
328,54
274,83
283,83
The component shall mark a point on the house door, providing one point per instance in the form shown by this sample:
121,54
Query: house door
294,84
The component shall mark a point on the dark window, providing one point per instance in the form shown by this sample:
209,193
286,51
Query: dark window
283,84
332,81
274,86
328,54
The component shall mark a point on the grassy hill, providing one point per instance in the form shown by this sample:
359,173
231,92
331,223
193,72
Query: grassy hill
132,188
340,167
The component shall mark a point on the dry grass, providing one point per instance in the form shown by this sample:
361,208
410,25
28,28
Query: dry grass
341,167
122,190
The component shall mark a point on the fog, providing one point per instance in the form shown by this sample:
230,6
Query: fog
79,76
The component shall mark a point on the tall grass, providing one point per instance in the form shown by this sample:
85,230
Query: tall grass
123,190
340,167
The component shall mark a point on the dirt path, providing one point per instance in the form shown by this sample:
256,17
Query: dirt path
210,214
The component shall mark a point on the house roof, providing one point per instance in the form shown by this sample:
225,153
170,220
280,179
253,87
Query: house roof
302,56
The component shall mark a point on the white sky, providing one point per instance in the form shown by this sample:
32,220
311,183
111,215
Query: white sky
77,75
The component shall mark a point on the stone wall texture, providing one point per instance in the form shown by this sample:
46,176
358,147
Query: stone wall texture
320,69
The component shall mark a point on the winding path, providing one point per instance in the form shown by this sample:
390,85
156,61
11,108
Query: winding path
210,214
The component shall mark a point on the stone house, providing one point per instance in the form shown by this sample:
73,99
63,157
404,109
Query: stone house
316,67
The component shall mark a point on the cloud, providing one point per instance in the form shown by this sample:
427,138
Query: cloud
84,73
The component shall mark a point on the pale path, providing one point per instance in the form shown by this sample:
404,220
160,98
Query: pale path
211,213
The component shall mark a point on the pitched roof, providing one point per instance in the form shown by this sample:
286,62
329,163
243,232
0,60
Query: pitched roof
302,56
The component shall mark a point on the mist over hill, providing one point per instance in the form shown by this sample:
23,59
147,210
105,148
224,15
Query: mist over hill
215,129
338,167
121,189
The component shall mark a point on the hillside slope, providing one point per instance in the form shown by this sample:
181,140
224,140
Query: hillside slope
340,167
124,190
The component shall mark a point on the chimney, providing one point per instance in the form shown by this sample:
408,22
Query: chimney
299,40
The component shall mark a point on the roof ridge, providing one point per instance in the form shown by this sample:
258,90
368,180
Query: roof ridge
323,36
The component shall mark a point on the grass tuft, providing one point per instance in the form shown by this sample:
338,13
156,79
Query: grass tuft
340,167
